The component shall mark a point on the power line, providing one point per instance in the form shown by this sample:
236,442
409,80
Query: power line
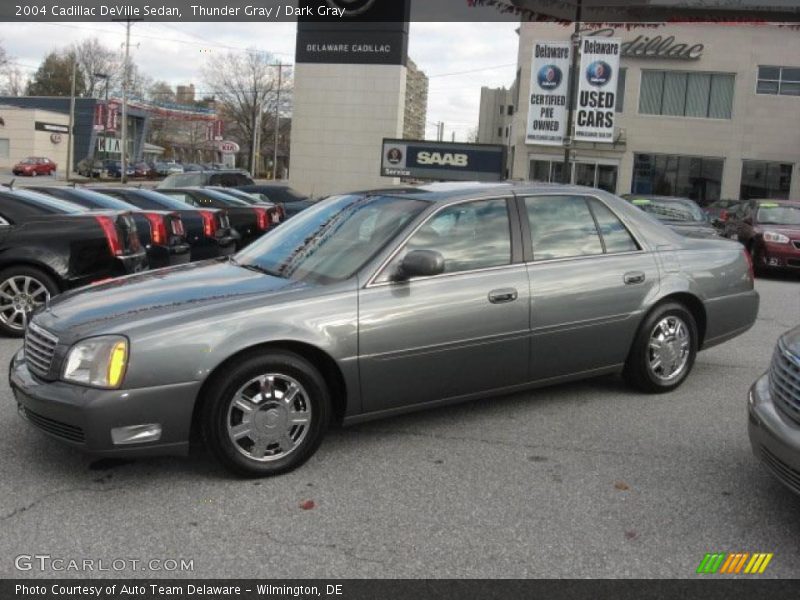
472,70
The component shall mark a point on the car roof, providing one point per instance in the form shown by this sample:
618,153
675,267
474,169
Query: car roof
790,202
446,191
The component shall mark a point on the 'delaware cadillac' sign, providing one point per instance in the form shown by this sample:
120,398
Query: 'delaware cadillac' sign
547,113
597,90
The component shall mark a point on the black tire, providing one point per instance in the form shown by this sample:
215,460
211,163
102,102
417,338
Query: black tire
215,414
14,328
755,258
638,372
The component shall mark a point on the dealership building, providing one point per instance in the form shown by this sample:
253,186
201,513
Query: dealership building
706,111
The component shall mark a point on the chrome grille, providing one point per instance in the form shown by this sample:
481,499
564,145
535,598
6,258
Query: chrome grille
784,381
39,349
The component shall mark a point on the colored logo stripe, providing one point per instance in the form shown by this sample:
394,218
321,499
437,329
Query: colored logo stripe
733,563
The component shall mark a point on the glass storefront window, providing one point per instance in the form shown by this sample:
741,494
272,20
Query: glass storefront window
695,177
762,179
583,173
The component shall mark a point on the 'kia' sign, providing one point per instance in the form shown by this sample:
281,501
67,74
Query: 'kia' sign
597,92
443,161
228,147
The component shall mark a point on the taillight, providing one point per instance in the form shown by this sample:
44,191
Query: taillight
749,259
112,237
209,223
158,231
262,217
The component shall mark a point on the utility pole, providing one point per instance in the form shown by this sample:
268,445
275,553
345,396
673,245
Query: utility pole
125,77
256,126
566,171
277,123
70,138
439,131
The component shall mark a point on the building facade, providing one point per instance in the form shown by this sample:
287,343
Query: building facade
28,132
706,111
496,115
416,111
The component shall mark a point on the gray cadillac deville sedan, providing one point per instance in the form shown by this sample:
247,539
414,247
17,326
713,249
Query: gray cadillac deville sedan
371,304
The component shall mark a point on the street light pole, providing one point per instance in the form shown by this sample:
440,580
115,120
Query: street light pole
277,123
70,139
125,74
566,174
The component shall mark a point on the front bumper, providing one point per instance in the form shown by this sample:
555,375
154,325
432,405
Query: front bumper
775,438
84,417
779,256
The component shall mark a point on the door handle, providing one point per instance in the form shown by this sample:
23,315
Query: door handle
634,277
501,296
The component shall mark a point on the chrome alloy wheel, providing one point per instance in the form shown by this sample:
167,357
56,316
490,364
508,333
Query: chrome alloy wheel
269,417
669,350
20,295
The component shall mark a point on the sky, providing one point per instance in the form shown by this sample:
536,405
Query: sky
459,58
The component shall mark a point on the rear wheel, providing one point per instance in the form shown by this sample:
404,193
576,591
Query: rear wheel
664,350
22,290
267,415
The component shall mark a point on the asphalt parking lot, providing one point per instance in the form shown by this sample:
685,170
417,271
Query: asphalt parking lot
582,480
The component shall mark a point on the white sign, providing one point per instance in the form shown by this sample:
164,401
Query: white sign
109,145
597,92
228,147
547,113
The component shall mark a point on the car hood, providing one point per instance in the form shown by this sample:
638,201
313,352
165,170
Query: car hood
791,341
699,230
117,305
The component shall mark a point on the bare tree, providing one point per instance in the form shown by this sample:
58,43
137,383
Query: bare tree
12,79
161,91
243,85
95,59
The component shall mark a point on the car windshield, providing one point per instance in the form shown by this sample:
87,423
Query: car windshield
332,240
778,214
182,179
28,161
671,210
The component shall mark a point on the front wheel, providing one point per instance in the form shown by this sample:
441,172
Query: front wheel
267,415
664,350
23,289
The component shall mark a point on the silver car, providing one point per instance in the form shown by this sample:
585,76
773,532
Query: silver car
368,305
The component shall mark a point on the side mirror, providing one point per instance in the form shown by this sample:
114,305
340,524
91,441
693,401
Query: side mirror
420,263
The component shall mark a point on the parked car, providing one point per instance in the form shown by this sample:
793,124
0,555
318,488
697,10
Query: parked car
250,222
48,246
33,166
208,231
191,167
774,407
282,194
167,168
720,214
161,232
144,170
680,214
229,178
91,168
114,169
275,211
770,230
367,306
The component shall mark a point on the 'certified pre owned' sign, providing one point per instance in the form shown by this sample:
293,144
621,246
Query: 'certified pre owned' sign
442,160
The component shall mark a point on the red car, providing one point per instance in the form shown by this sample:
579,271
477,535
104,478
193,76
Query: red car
770,229
34,165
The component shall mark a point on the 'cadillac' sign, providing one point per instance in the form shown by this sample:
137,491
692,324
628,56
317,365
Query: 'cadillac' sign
443,161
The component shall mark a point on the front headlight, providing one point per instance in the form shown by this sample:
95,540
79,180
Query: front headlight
775,238
98,362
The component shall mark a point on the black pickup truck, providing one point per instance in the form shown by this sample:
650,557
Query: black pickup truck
48,246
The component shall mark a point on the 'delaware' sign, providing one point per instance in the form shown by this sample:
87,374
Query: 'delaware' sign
547,113
594,112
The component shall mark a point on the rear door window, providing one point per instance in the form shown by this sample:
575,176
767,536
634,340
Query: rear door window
562,227
616,237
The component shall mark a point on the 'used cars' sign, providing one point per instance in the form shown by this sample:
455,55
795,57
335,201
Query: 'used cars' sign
594,114
443,160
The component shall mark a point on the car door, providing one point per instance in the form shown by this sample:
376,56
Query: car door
461,332
590,282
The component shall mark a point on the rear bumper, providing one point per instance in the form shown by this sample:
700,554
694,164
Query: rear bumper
132,263
206,248
774,437
85,417
730,316
167,256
